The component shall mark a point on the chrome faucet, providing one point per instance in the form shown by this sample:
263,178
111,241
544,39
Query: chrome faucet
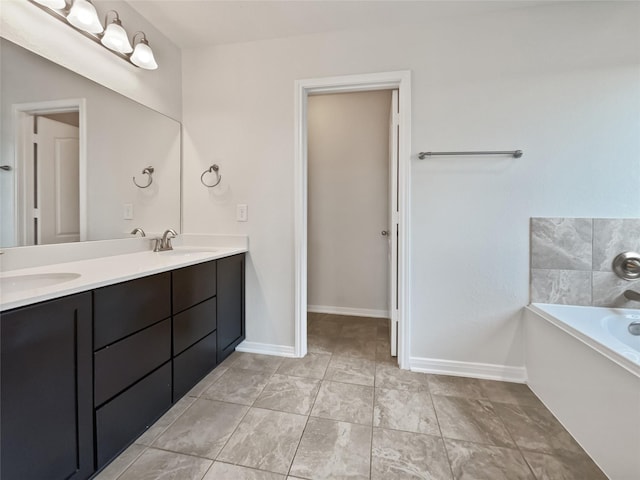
163,244
138,230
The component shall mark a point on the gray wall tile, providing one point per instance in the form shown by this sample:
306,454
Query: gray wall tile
568,287
612,236
608,290
561,243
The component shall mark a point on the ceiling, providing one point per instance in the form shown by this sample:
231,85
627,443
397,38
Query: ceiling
197,23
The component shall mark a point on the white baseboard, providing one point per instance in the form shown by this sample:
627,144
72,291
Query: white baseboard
266,349
485,371
355,312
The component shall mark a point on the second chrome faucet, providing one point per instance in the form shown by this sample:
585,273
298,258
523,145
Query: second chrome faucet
164,243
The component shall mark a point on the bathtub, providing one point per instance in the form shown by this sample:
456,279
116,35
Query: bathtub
585,367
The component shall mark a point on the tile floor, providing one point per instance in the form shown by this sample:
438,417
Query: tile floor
346,411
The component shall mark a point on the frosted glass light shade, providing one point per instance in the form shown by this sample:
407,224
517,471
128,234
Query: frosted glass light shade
115,38
83,15
142,56
57,4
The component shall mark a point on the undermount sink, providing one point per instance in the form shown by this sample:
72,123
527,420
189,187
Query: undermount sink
18,283
188,251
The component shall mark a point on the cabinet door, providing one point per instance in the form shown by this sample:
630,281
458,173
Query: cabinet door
230,318
46,400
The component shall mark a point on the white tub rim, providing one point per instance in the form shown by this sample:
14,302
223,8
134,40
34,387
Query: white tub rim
605,350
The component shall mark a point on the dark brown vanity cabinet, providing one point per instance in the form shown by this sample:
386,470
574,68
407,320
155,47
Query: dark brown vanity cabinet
194,325
231,308
83,376
132,360
46,415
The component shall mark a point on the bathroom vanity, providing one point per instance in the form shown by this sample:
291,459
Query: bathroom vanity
85,374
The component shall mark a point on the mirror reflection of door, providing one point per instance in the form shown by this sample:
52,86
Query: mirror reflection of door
52,180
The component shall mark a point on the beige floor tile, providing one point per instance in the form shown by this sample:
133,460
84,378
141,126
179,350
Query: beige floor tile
391,376
471,420
256,362
344,402
165,421
455,386
368,329
507,392
266,440
403,410
320,344
226,471
313,365
238,386
403,455
355,347
548,467
207,381
333,450
203,429
289,394
347,411
536,429
351,370
471,461
156,464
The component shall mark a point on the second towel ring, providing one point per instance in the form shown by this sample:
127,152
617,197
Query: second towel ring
212,169
147,171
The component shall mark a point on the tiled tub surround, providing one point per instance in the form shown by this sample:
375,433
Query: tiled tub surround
346,411
571,260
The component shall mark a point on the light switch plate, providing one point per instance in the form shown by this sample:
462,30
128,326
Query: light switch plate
242,212
127,211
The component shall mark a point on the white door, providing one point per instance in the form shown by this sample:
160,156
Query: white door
57,183
393,231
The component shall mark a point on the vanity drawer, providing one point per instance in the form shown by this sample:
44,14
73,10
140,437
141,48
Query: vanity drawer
129,414
123,363
125,308
194,363
193,324
192,285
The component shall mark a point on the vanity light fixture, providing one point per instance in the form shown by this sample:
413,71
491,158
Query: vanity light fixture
83,16
142,55
115,37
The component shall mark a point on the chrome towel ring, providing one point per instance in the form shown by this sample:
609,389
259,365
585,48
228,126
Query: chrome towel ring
212,169
147,171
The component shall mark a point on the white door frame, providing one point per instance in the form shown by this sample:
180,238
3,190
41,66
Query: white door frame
22,141
400,80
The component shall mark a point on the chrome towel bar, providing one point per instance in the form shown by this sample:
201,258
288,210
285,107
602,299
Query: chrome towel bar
513,153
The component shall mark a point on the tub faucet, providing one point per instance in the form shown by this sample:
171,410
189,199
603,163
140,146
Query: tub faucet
138,230
163,244
632,295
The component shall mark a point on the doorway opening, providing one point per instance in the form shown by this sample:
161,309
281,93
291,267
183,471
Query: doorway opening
396,228
349,219
50,182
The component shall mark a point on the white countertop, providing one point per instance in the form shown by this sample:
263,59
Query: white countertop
93,273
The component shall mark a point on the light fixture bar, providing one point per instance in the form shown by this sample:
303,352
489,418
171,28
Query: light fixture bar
61,16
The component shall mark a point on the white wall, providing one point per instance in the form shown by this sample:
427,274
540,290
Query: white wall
559,81
348,181
35,30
